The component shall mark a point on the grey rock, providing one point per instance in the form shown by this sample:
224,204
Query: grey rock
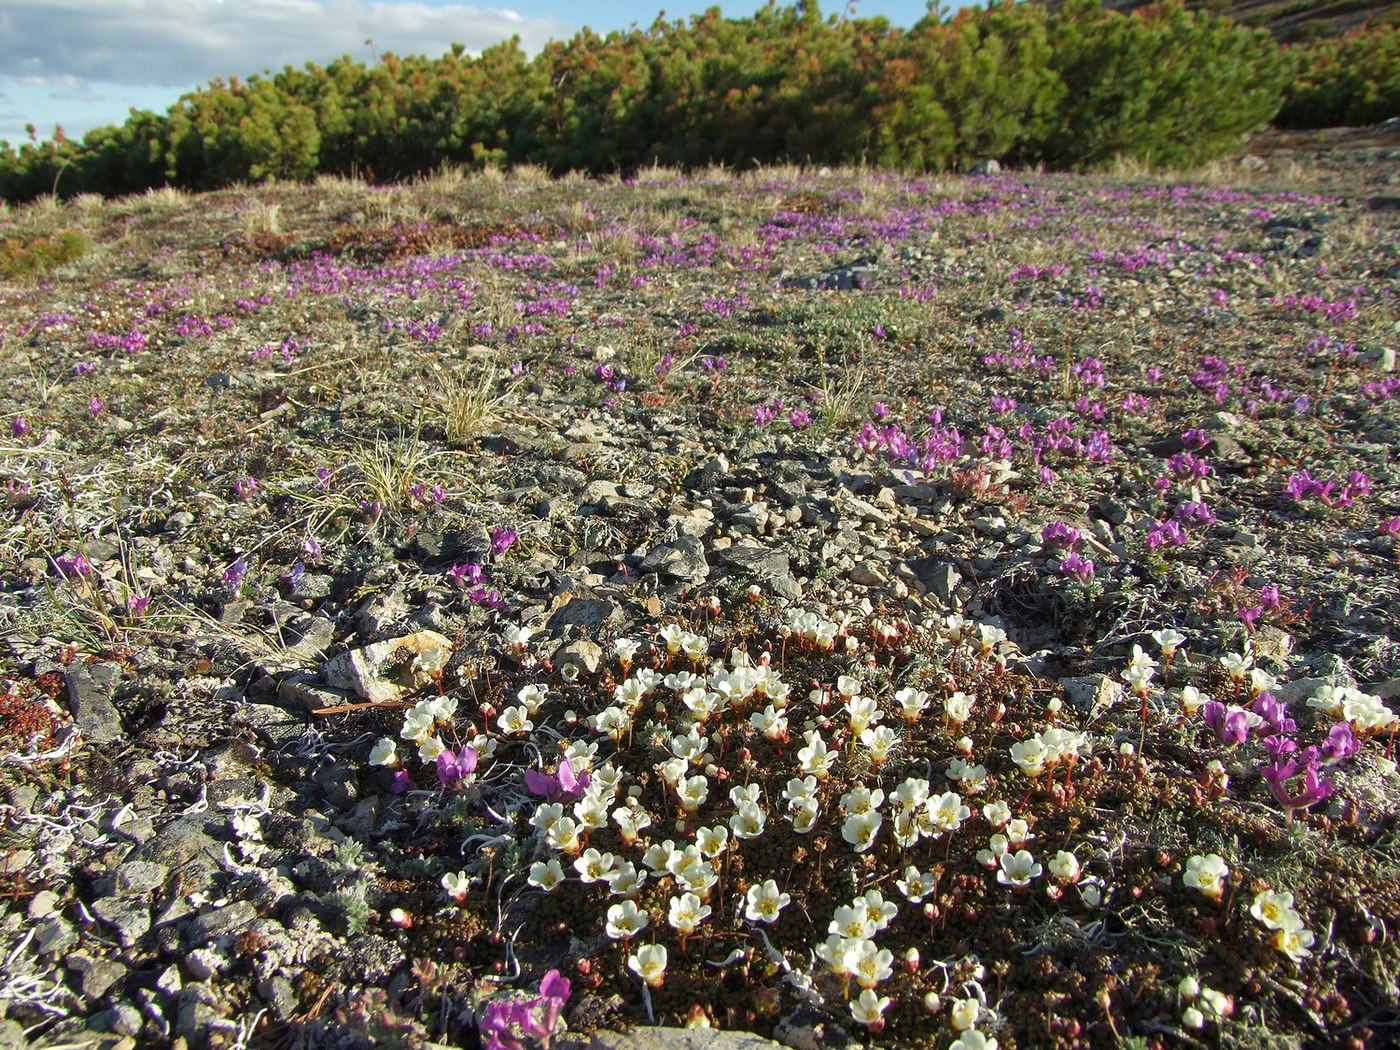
314,637
137,877
991,166
304,691
202,964
581,653
90,689
785,587
42,905
131,919
55,936
681,559
384,671
869,574
936,576
121,1019
762,561
313,586
169,982
279,995
13,1036
184,845
211,924
583,615
98,975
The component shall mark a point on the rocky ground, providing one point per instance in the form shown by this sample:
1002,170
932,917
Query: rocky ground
285,463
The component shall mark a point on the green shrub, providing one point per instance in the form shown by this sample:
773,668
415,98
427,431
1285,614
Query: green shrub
1344,81
35,256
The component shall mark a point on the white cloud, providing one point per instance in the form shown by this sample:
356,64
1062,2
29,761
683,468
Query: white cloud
183,43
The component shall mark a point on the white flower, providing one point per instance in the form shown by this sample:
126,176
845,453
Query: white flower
912,703
1029,755
840,953
1236,665
1191,700
947,812
972,1039
868,1008
770,722
517,637
860,829
625,880
515,719
546,874
797,790
958,708
429,749
847,686
692,792
630,821
1295,943
748,821
879,741
1206,873
863,712
417,724
1018,833
1065,866
764,901
1018,869
1168,640
861,799
1216,1003
1275,910
657,854
997,813
912,793
965,1013
532,697
625,921
563,836
1192,1017
916,885
803,813
853,921
546,813
873,964
456,884
815,759
672,634
881,911
594,866
384,753
625,649
711,842
697,877
591,811
649,963
749,793
687,912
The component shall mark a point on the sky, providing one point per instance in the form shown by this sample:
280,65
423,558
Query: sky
84,64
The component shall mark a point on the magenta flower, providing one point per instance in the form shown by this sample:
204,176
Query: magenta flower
452,768
560,786
245,487
71,565
1313,789
502,540
233,575
19,426
1341,743
468,575
96,405
1231,725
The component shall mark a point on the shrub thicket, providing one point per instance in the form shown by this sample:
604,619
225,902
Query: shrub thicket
1072,88
1345,81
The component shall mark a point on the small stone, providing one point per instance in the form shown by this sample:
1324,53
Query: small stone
385,671
228,919
42,905
90,690
55,936
869,574
138,877
583,654
131,919
203,964
681,559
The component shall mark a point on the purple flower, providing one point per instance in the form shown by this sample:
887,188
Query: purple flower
402,782
502,540
1060,536
561,785
554,993
468,575
233,575
137,604
323,478
96,406
70,565
1313,789
312,549
19,426
1082,569
452,769
245,487
881,410
1231,724
1274,713
1341,743
800,419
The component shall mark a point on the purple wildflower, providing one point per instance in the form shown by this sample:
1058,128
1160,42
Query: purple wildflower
452,769
560,786
468,575
96,406
1313,789
1231,724
71,565
1341,743
233,575
502,540
19,426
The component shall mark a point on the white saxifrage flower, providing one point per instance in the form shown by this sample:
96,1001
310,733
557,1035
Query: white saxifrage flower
625,920
1206,873
1018,869
649,963
764,901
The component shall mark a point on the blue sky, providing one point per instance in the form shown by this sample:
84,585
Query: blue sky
83,64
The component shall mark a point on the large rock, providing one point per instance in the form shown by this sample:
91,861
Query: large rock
90,689
385,671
